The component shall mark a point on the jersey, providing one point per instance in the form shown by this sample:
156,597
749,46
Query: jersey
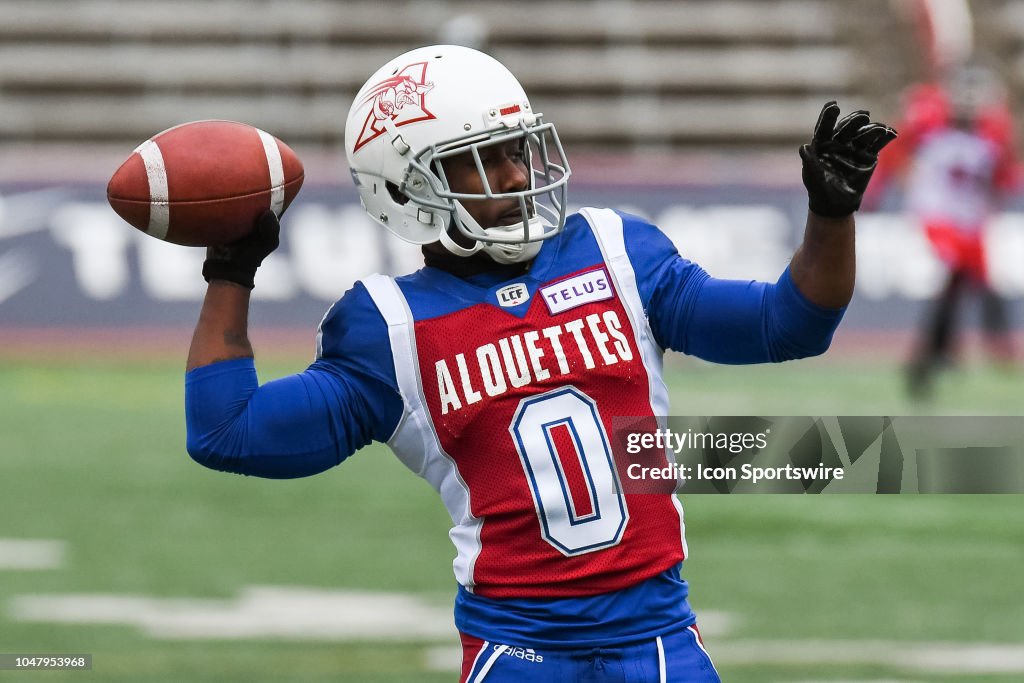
500,391
952,179
510,391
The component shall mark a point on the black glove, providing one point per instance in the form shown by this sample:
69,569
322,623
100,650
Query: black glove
840,159
237,262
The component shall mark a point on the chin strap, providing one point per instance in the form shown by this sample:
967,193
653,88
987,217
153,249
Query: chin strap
501,252
512,253
451,245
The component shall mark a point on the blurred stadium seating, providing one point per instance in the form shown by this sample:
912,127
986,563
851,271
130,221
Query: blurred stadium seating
635,74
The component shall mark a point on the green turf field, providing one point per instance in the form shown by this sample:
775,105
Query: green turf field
794,589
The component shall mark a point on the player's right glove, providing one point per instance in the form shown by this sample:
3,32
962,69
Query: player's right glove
237,262
839,160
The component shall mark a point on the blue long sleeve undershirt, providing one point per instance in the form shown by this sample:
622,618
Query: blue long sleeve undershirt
741,322
291,427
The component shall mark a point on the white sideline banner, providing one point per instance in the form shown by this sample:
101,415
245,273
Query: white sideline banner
67,259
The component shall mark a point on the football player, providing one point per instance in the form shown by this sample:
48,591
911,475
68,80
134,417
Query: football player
958,162
494,372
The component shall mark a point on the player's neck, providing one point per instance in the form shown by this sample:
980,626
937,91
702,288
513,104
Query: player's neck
467,266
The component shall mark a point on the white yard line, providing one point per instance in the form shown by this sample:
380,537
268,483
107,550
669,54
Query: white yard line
259,612
296,613
954,657
29,553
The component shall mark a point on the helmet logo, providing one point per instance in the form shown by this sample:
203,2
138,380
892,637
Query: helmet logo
400,98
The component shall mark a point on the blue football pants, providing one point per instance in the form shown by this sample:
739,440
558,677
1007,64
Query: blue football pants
676,658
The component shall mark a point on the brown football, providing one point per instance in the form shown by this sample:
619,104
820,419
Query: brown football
204,183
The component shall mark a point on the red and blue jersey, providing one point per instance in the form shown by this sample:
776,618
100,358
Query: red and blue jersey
508,411
500,391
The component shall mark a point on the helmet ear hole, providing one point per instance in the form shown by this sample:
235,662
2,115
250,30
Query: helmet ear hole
397,195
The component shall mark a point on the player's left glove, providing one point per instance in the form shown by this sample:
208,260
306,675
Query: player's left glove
237,262
839,160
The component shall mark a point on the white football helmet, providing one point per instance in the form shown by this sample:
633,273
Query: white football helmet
434,103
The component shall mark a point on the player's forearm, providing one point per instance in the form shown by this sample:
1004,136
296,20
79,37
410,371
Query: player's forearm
824,266
222,332
837,167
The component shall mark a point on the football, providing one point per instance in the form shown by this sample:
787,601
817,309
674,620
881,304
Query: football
204,183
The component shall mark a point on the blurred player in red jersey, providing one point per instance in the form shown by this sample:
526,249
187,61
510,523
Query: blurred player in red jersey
956,153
